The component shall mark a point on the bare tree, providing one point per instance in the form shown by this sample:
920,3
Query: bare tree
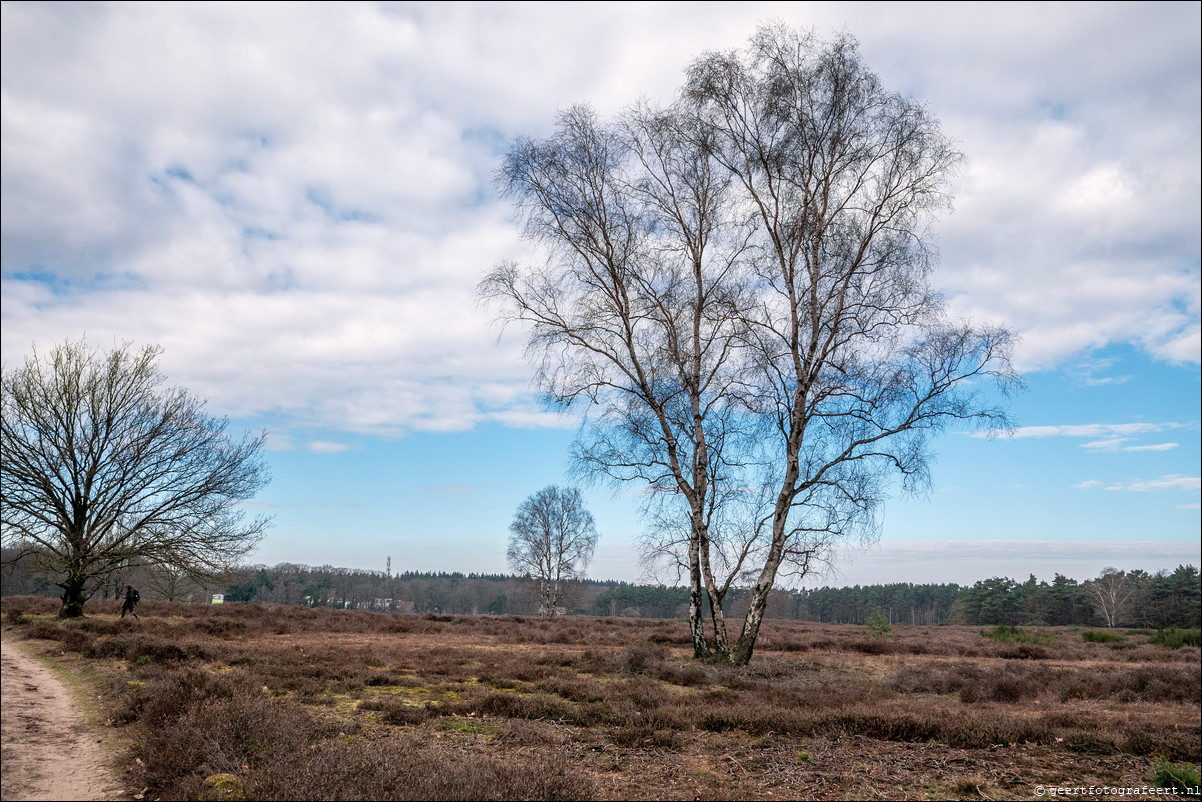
852,361
741,283
637,307
169,582
1110,594
552,541
104,469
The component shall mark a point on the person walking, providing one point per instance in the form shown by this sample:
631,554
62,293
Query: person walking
131,601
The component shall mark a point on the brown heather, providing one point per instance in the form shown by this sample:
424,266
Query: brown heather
322,704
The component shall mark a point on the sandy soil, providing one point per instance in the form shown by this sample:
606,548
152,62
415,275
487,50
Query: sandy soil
47,748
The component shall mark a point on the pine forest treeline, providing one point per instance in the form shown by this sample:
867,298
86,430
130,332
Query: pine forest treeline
1115,598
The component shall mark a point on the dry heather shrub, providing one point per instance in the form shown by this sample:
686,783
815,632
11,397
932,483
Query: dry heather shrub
643,658
875,646
934,678
573,688
408,767
18,606
220,735
533,706
71,638
159,697
14,615
1088,743
885,725
520,732
145,647
645,736
1003,685
671,637
109,626
1134,684
395,711
981,731
219,627
686,675
1024,651
1175,745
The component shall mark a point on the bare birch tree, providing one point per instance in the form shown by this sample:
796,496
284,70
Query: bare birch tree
1111,594
852,358
552,539
740,282
102,469
635,312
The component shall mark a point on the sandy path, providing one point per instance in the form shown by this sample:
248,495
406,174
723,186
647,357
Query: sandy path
47,749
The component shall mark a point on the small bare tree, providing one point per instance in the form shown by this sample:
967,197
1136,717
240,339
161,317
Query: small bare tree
102,469
552,542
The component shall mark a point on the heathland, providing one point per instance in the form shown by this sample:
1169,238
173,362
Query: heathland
247,701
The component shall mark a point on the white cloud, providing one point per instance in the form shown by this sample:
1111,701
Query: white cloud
1114,433
327,447
298,206
277,441
1110,444
1169,482
1116,444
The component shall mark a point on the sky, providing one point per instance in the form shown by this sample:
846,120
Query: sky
296,201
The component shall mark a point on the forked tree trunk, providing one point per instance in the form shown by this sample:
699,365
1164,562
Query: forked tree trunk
745,646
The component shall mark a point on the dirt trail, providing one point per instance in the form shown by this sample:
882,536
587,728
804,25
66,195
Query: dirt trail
47,748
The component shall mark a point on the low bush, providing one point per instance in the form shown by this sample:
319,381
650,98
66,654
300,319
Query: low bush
1006,634
411,767
1102,636
1183,779
643,658
1170,744
220,735
1025,651
1174,638
394,711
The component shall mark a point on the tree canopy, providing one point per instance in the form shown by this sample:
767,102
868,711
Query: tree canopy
103,468
736,289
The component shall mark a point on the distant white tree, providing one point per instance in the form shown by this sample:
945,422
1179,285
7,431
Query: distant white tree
1110,594
552,539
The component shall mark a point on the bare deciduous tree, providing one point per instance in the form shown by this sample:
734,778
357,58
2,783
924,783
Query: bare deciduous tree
852,362
1110,594
638,306
552,542
741,283
104,469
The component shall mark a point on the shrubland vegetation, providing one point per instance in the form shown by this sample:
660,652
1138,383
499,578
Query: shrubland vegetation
284,702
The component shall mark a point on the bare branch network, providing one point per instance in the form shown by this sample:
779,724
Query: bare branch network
104,469
736,288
